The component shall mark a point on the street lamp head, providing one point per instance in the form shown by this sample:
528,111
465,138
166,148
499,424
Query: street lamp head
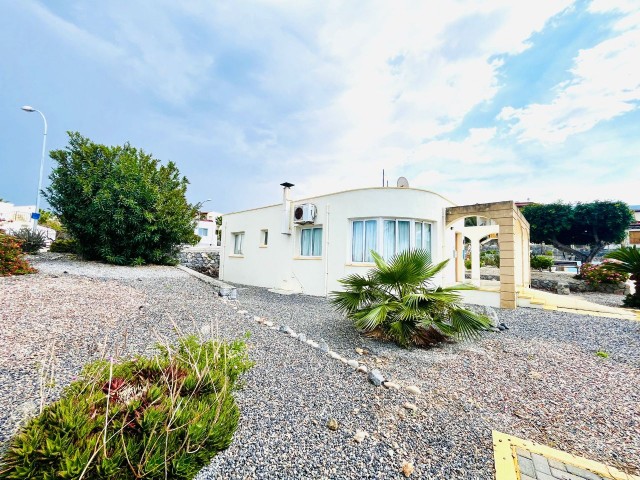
27,108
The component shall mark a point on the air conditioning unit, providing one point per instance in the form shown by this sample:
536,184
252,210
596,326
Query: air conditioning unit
305,213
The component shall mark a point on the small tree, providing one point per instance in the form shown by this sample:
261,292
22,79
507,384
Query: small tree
594,224
397,300
119,203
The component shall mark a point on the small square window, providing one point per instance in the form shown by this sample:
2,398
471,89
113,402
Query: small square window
203,232
264,238
238,240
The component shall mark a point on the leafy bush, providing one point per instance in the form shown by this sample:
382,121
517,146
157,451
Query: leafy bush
397,300
64,246
151,418
490,258
626,261
596,274
30,241
11,257
467,264
120,204
49,220
541,262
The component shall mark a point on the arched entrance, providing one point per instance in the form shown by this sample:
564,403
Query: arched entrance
504,219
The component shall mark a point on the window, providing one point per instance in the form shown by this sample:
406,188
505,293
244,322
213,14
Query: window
423,236
264,238
203,232
387,235
364,239
397,237
311,242
238,240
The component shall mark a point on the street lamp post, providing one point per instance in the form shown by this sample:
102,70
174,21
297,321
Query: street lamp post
27,108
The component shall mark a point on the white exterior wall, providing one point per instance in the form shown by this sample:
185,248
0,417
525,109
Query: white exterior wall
279,264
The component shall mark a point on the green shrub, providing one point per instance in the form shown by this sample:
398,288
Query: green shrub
541,262
626,261
490,258
398,301
11,257
64,246
152,418
120,204
467,264
597,274
30,241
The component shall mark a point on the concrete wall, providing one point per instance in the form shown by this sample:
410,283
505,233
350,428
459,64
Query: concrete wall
279,264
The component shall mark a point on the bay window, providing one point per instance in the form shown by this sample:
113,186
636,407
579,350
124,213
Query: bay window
389,236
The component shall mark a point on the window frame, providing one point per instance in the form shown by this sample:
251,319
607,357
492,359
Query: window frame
235,236
310,228
203,235
264,237
380,237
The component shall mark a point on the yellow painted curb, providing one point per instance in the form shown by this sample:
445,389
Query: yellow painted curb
506,463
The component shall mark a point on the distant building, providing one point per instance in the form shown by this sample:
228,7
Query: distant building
207,229
14,217
633,234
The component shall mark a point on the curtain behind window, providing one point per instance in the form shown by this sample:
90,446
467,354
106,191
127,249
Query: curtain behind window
370,239
305,242
404,240
357,242
389,239
316,250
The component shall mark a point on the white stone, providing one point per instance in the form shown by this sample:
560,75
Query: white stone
360,435
268,323
393,385
242,312
333,354
359,351
413,389
409,406
313,344
205,329
258,319
362,368
353,363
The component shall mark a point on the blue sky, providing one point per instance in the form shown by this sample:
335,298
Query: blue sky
480,101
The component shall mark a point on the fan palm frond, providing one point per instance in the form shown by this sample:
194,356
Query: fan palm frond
398,300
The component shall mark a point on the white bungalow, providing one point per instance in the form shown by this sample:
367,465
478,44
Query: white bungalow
307,245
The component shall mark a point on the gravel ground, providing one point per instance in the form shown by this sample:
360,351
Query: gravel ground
539,380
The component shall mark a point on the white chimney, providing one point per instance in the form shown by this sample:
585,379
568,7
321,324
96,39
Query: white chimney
286,208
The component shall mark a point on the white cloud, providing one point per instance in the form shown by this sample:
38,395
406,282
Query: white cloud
605,83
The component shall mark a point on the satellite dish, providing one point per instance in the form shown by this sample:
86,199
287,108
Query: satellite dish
403,182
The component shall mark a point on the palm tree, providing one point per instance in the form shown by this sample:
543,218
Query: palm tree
397,300
627,260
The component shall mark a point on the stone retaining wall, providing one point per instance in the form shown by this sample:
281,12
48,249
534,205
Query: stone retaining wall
200,259
549,281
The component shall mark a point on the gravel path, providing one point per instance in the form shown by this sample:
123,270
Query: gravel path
539,380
